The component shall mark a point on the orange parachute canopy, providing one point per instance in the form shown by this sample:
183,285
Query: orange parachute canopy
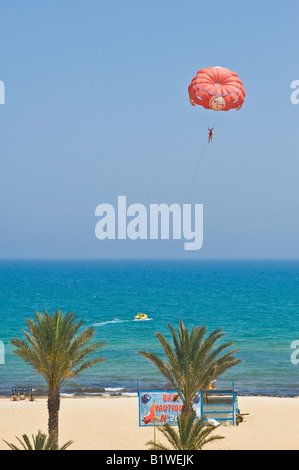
216,88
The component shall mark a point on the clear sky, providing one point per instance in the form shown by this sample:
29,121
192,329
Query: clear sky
96,106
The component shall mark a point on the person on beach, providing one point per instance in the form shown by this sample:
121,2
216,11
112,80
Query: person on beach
211,131
212,385
31,397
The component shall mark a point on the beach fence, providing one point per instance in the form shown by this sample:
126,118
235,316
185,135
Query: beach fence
159,407
19,393
221,405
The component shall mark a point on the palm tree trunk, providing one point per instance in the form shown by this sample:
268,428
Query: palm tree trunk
53,409
187,409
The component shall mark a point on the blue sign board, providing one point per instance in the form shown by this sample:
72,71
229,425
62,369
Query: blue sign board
159,407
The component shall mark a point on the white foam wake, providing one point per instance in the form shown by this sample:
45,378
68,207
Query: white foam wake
116,320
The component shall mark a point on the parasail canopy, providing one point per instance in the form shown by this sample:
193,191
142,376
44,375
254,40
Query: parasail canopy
216,88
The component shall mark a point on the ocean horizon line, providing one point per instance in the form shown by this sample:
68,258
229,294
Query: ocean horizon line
150,258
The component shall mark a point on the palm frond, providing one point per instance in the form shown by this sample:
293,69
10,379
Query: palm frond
40,441
191,434
193,361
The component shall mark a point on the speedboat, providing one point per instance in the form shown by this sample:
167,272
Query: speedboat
141,316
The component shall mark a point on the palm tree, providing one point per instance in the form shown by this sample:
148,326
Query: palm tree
58,351
193,362
192,434
39,442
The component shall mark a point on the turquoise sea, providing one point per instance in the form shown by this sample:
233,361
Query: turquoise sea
256,303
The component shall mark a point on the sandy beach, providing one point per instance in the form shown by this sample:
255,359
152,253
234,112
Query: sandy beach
112,423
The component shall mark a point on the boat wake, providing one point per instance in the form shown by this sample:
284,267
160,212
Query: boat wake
116,320
143,319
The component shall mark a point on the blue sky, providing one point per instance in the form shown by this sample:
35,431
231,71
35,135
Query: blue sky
97,106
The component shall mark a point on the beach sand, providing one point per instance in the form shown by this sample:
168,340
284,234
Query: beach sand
112,423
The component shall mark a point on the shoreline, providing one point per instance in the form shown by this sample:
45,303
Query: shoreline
112,423
135,395
128,394
111,394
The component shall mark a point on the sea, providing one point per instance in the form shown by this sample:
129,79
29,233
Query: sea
254,302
